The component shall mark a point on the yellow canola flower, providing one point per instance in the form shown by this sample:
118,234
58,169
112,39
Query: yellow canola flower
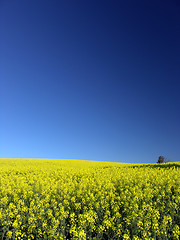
71,199
9,234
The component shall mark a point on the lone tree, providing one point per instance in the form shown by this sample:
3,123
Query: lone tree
161,159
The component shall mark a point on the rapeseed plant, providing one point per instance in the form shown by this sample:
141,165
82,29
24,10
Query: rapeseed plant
68,199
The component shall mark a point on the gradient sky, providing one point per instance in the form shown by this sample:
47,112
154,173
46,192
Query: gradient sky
94,80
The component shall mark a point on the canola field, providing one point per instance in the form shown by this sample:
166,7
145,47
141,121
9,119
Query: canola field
71,199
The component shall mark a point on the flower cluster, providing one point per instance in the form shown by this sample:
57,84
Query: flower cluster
70,199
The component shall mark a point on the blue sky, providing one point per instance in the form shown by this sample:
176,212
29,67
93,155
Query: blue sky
93,80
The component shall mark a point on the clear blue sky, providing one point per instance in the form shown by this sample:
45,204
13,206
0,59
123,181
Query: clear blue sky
95,80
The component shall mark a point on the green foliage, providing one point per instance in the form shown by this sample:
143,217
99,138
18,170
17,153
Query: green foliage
58,199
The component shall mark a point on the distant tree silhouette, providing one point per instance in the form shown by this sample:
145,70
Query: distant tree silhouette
161,159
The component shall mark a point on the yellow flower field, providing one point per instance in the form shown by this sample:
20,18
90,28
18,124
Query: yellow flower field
71,199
